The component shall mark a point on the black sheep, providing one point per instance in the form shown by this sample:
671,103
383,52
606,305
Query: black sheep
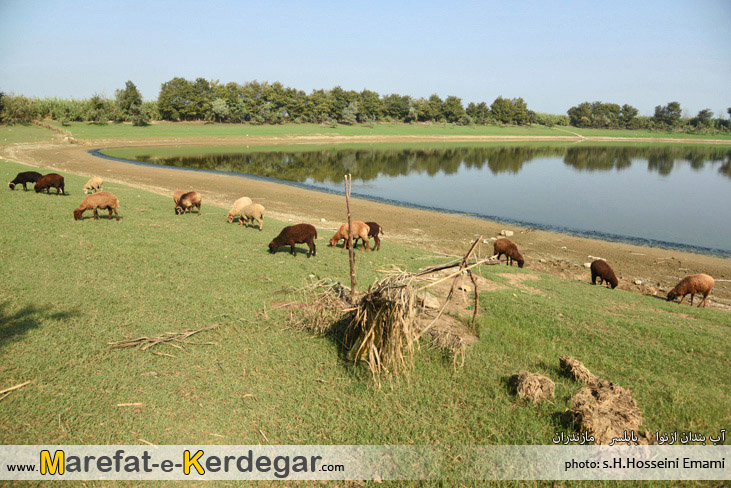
24,178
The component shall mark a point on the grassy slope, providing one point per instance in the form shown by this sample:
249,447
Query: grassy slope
184,130
73,286
10,134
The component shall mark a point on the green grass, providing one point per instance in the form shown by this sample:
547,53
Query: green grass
70,287
12,134
643,133
88,131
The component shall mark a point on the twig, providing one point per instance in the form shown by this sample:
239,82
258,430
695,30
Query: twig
264,436
167,338
136,404
8,390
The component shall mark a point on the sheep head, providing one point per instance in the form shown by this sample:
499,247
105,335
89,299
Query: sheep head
77,214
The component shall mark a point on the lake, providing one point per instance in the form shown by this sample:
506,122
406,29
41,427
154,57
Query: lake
673,196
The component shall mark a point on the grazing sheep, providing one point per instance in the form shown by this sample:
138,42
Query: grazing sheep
253,212
93,185
374,232
177,195
24,178
360,230
188,201
95,201
237,209
295,234
600,269
700,284
51,180
504,246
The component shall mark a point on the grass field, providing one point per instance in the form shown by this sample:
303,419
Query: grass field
11,134
70,287
87,131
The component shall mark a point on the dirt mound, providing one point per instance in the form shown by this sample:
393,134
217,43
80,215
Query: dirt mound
576,370
607,411
532,386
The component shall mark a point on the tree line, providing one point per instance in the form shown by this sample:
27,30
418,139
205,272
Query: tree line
264,103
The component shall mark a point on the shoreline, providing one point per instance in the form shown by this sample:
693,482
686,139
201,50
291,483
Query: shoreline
643,269
589,234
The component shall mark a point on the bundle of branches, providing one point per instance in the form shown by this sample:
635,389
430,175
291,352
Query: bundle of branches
383,329
168,338
323,304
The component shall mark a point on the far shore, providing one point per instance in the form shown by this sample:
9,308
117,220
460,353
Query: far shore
644,269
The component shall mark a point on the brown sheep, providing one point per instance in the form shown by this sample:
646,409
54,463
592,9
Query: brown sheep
700,284
188,201
600,269
177,195
295,234
51,180
360,230
504,246
95,201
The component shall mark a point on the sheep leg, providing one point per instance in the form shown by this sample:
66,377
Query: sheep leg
199,209
96,214
261,223
691,299
377,245
116,214
291,250
705,297
25,187
313,249
681,300
366,244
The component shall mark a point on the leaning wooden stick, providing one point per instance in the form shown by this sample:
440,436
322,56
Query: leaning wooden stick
351,253
12,388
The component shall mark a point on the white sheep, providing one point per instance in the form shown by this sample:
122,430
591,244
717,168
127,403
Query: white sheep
253,212
94,184
237,209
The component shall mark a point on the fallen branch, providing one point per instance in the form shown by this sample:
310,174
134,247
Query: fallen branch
167,338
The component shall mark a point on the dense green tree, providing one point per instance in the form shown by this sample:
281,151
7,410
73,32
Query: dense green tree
480,113
627,115
502,110
703,119
371,107
580,115
453,110
396,106
667,116
128,97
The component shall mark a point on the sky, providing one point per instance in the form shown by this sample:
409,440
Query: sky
552,54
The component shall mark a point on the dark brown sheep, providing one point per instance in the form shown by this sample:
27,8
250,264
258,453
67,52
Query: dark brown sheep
100,200
187,201
700,284
51,180
504,246
295,234
24,178
375,232
600,269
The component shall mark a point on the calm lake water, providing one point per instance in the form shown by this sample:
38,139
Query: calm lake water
674,196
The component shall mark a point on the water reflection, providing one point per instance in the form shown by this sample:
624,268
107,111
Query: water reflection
329,165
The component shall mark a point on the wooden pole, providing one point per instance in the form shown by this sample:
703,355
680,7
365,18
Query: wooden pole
349,242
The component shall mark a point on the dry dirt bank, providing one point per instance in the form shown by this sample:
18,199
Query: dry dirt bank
558,254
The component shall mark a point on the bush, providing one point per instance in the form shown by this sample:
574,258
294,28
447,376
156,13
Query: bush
17,110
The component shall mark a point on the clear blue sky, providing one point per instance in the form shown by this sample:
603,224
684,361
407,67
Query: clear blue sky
553,54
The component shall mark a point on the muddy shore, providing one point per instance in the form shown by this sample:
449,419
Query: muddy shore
642,269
